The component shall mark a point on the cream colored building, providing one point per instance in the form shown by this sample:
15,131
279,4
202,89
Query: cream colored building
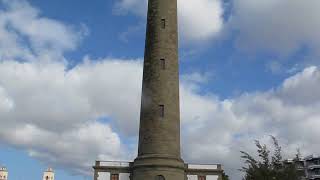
48,174
3,173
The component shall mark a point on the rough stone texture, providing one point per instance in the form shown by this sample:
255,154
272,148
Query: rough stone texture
159,137
160,87
151,173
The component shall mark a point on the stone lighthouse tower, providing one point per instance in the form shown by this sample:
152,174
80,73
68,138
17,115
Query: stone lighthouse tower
159,156
159,135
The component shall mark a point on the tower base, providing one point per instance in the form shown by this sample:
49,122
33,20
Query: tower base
151,168
158,167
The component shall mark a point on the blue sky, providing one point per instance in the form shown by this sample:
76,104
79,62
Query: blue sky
70,81
106,27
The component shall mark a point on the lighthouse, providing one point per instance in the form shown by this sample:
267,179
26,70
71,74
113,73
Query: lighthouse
159,152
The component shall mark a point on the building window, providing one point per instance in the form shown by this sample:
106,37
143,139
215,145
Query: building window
160,177
201,177
47,177
161,111
115,177
163,23
163,64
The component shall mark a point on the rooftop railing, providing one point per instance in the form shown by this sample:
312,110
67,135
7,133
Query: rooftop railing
204,166
314,166
113,163
314,176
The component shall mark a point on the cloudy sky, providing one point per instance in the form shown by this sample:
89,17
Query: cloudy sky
71,72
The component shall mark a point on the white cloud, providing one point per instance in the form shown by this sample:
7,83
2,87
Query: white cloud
196,77
290,112
55,105
199,20
280,26
138,7
301,89
24,33
72,149
50,111
276,26
82,90
6,103
49,104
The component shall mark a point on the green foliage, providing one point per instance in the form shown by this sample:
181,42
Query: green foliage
298,155
268,167
225,177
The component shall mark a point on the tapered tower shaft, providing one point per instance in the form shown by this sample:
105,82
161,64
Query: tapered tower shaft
159,119
159,133
159,156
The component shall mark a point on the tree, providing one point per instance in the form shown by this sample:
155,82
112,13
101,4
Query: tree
224,176
268,167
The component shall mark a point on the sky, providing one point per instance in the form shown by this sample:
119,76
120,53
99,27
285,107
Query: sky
71,74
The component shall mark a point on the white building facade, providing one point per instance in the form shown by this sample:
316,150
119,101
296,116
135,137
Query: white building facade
312,165
3,173
110,170
48,174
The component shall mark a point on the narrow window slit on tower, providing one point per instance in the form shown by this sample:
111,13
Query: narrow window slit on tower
163,64
163,23
161,111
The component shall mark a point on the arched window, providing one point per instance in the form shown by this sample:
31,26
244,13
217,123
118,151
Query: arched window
160,177
47,177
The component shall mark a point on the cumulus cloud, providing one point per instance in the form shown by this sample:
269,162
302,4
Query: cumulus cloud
199,20
55,105
24,33
280,26
44,103
68,149
58,115
289,112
